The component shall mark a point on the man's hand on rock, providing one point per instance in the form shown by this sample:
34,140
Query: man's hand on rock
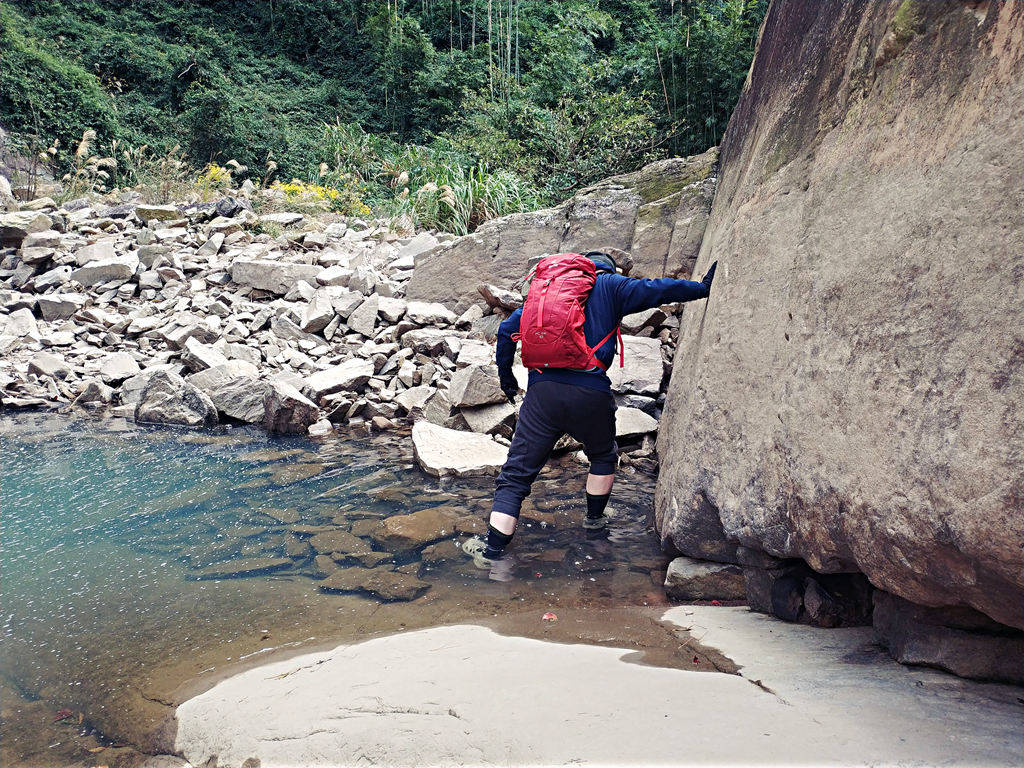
709,276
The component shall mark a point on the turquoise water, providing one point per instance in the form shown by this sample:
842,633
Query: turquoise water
108,531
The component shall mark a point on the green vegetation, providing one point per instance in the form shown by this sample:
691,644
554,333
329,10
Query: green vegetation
445,111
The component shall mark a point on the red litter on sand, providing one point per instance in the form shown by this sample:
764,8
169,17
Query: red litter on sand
716,602
549,616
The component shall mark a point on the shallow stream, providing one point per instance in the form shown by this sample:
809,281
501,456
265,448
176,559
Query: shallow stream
116,538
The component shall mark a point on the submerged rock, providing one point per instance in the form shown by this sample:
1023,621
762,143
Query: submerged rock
407,532
254,566
383,583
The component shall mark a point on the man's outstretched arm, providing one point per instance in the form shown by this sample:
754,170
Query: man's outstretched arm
506,353
634,295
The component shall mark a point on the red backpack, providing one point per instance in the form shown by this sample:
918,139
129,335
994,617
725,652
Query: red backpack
551,328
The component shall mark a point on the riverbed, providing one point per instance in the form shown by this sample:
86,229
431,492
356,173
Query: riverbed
119,544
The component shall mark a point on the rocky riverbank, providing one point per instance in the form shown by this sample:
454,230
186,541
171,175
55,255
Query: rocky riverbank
197,314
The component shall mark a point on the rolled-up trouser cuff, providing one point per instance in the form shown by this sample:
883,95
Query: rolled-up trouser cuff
507,506
604,466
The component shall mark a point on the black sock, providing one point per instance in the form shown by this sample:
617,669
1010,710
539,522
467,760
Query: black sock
496,543
596,505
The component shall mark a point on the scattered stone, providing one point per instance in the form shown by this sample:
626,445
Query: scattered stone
158,212
414,398
364,319
350,376
321,428
240,398
441,451
501,298
198,356
476,385
15,227
21,322
169,399
95,392
643,370
632,422
285,219
212,246
60,306
101,251
45,365
273,276
491,419
318,313
429,313
117,367
106,270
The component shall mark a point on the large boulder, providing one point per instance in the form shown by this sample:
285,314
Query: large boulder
442,451
239,398
850,394
169,399
659,213
287,410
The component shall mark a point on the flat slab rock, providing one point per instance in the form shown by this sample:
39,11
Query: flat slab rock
381,582
689,579
406,532
245,567
838,701
441,451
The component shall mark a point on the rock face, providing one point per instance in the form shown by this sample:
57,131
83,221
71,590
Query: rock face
850,394
659,213
169,399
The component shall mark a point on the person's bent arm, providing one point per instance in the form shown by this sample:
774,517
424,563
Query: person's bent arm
506,353
636,295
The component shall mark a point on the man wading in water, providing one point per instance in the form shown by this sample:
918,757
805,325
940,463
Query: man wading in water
568,337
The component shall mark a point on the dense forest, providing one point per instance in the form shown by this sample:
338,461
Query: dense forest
552,95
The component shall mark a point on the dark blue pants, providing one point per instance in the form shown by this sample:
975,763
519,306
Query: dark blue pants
551,409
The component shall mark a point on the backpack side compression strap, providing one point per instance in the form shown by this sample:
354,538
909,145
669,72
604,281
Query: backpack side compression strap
622,350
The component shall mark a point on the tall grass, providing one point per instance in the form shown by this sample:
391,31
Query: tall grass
431,187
